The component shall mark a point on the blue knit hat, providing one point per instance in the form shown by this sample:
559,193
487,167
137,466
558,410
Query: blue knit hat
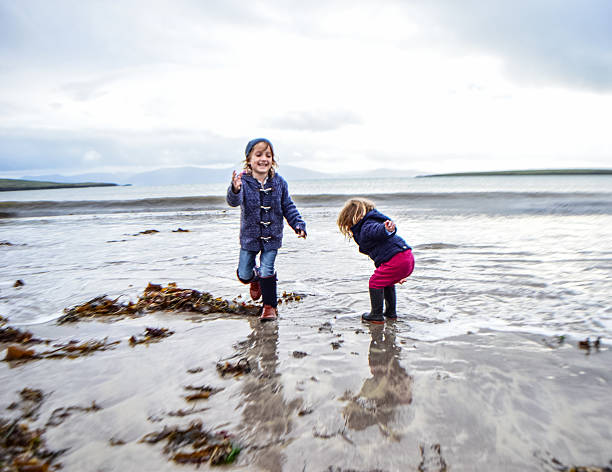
253,142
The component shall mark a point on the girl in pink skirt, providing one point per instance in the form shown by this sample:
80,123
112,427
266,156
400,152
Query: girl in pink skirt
375,234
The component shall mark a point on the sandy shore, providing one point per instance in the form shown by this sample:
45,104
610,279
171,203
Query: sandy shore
324,395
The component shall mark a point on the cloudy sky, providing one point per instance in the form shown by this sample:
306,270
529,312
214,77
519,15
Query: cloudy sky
430,86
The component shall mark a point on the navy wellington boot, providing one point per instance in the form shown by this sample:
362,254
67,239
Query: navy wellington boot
376,301
390,301
268,294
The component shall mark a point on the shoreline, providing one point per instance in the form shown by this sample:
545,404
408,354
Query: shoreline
14,185
557,172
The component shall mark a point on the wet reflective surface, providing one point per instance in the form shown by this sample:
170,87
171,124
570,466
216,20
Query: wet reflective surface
482,371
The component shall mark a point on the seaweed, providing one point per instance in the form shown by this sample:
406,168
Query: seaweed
195,445
587,344
99,307
200,393
14,353
290,297
172,298
326,327
14,335
182,413
549,461
31,400
151,335
237,369
59,415
21,448
147,231
305,411
157,298
587,469
180,230
74,349
71,350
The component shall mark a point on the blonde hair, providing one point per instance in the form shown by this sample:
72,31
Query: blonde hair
352,212
246,165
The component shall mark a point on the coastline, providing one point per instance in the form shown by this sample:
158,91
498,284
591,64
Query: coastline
335,395
11,185
534,172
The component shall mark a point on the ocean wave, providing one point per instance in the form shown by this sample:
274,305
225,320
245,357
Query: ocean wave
440,202
54,208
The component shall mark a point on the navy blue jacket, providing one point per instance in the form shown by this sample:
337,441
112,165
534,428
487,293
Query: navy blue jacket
262,209
373,239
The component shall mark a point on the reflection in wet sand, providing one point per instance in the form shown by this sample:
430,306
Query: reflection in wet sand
266,415
388,387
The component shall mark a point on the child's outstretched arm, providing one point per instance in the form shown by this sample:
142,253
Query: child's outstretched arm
236,181
376,230
233,191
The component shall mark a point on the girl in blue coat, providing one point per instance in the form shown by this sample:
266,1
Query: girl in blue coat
263,196
375,234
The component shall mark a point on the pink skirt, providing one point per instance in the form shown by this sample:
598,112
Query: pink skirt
395,269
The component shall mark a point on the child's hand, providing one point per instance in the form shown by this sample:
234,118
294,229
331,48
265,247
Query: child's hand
390,226
302,234
403,280
236,181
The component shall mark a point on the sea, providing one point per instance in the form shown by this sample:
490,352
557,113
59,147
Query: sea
526,254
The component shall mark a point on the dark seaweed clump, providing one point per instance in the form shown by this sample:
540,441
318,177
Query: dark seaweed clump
194,445
151,335
157,298
21,448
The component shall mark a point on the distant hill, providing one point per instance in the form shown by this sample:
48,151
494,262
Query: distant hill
7,185
202,175
527,172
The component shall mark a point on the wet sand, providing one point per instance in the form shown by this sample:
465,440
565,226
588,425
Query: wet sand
322,395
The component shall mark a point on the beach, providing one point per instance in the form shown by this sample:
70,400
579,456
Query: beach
487,368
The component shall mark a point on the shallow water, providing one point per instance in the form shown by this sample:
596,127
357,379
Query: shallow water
539,264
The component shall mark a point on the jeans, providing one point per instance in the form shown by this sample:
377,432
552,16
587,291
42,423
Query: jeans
247,263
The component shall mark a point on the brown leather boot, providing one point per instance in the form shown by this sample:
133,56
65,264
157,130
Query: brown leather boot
268,313
255,287
255,290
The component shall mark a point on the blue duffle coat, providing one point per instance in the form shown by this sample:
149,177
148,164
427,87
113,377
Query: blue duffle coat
262,209
374,240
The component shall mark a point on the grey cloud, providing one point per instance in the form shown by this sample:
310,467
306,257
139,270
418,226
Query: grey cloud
540,41
309,120
115,35
45,150
567,42
33,150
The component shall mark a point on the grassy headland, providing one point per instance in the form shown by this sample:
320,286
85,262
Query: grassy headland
527,172
17,184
